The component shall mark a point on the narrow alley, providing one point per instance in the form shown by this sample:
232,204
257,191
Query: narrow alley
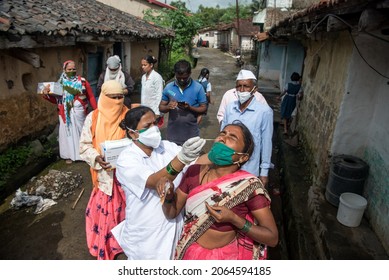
59,232
27,233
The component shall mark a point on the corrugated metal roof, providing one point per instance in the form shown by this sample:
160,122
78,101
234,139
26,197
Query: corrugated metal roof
73,17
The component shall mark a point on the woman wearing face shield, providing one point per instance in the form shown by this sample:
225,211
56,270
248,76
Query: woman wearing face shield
72,110
146,234
227,209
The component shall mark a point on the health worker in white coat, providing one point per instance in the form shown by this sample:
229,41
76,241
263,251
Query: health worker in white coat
146,234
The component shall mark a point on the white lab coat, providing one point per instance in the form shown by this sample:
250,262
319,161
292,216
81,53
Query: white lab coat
146,234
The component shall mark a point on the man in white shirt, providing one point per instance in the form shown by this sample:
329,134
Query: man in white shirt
232,95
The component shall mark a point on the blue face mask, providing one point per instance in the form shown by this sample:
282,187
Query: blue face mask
220,154
183,83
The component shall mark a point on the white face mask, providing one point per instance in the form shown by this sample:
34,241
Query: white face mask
245,95
151,137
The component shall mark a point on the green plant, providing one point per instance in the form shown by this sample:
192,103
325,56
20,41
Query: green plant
12,159
185,27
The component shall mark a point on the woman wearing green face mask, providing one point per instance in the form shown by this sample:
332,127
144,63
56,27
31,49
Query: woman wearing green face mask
72,110
227,210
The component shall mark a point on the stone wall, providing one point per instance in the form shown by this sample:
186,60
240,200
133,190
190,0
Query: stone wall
325,73
344,111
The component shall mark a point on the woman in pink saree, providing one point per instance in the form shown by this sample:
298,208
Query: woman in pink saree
227,210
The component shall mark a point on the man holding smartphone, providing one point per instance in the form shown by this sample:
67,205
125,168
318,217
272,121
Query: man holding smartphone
184,99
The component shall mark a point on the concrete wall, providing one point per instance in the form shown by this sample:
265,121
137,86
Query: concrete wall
209,36
279,4
362,129
22,111
271,58
247,44
234,40
293,62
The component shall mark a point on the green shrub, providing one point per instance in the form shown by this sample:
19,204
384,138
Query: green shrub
11,160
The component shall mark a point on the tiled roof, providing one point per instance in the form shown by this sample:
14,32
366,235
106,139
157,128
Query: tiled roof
275,15
74,18
315,12
246,27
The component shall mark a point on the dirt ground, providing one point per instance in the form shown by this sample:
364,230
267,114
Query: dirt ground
59,232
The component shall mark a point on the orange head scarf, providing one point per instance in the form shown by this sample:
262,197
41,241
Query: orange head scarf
110,113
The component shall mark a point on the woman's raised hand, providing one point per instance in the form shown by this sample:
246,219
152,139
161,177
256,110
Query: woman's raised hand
191,150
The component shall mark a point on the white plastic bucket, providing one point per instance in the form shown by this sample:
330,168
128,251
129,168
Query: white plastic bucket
351,208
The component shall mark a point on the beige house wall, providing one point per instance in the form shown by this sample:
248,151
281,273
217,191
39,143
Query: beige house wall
133,7
137,51
23,112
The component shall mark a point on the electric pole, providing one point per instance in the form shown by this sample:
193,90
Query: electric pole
237,23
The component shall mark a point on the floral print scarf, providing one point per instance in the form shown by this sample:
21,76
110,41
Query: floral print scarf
71,88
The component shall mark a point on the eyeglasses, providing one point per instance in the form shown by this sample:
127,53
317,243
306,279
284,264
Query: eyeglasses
116,96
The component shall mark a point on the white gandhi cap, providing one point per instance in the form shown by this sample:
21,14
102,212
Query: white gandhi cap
246,75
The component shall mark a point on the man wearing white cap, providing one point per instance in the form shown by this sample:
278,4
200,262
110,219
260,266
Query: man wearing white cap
232,94
114,72
258,117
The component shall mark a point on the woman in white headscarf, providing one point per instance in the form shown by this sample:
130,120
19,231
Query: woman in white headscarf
115,72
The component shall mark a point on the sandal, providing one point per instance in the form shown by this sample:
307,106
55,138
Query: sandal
68,161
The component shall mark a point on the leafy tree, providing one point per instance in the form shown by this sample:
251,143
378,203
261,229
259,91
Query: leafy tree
257,5
208,16
180,5
185,27
211,17
230,13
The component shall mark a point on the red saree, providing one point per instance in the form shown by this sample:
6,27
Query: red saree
229,190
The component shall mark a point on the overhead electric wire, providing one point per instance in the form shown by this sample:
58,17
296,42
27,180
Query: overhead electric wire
352,38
